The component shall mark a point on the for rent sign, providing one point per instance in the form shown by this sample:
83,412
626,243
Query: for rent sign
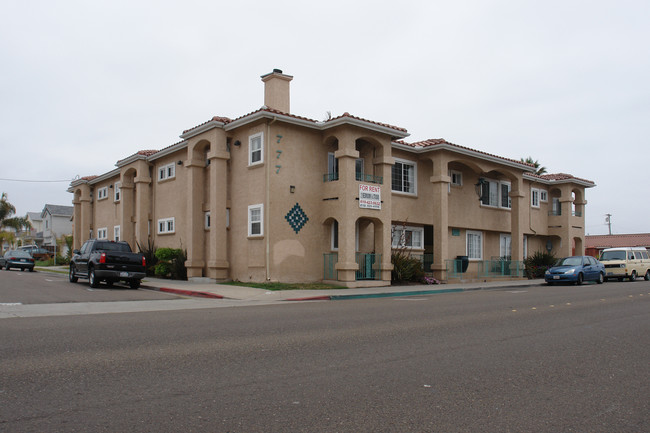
369,196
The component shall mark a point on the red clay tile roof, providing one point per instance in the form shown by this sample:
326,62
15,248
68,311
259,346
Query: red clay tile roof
88,177
227,120
613,241
561,176
440,141
221,119
385,125
141,152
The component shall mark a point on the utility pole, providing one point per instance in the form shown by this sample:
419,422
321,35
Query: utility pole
608,221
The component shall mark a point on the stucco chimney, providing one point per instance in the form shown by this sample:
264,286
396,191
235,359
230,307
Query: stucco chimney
276,90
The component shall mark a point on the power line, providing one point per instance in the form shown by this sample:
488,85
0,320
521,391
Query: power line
35,181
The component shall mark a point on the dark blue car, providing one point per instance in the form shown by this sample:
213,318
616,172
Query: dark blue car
576,269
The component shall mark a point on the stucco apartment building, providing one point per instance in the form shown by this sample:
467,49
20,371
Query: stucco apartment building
272,196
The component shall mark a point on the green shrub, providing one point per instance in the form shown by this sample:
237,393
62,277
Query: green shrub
149,253
537,264
171,263
405,267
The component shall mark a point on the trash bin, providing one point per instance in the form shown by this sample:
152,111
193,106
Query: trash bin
462,262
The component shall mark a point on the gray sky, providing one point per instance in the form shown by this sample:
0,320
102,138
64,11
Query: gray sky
86,83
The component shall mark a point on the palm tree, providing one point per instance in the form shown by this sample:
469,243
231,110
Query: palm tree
529,160
7,210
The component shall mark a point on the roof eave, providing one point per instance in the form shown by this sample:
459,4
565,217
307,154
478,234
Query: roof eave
581,182
464,151
201,129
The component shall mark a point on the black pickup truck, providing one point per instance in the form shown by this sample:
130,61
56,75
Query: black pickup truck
102,260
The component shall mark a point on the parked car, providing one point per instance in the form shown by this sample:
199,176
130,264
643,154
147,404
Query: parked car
101,260
36,252
575,269
17,259
626,262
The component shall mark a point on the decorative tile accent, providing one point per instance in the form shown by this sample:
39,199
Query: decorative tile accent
296,218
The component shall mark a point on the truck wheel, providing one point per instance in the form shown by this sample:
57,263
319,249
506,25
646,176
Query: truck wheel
92,279
633,276
72,276
134,284
647,275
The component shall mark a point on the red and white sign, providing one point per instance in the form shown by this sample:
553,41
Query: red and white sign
369,196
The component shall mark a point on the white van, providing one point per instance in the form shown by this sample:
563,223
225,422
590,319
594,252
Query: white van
626,262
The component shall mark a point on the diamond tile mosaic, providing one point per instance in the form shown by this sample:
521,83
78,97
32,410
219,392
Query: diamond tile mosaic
296,218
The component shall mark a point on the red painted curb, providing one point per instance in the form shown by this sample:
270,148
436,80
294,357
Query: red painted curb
191,293
312,298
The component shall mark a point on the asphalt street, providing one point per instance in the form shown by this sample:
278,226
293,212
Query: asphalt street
544,359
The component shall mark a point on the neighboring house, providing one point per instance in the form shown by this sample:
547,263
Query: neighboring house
56,222
33,236
271,196
595,244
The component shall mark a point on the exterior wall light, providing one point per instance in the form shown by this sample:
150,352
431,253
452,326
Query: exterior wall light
479,187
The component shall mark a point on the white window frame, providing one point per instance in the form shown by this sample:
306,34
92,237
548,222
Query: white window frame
543,196
117,192
166,226
253,151
102,193
335,236
534,197
102,233
456,178
501,197
412,235
468,248
505,245
498,195
259,220
167,171
116,233
207,220
414,187
525,246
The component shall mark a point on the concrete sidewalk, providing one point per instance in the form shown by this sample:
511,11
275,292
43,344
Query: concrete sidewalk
224,291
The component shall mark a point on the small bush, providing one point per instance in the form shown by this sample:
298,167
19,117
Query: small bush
171,263
537,264
149,253
406,268
60,261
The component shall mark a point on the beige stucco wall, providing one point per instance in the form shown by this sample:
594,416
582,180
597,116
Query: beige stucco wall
295,156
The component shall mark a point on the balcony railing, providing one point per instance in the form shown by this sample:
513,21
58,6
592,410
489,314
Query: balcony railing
367,269
555,212
426,260
576,213
486,269
361,177
329,266
330,177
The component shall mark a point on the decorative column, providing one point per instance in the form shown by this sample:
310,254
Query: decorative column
218,266
517,218
82,216
440,199
126,221
194,229
347,154
383,240
566,204
142,208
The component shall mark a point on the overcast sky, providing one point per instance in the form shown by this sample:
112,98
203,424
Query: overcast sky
86,83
